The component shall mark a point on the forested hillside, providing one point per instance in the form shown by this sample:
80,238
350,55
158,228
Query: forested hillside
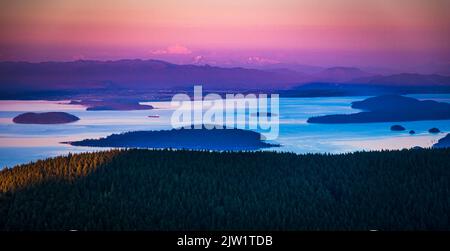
187,190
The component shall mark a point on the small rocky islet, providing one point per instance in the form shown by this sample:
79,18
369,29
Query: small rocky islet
397,128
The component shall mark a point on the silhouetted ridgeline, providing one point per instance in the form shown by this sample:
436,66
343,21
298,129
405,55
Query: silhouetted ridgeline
135,75
46,80
189,190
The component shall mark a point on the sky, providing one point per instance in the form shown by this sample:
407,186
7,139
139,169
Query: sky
370,33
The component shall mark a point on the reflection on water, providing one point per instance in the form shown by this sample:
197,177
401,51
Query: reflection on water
21,143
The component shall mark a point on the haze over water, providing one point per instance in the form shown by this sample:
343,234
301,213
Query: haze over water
21,143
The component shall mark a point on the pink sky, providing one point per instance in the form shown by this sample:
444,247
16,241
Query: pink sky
323,32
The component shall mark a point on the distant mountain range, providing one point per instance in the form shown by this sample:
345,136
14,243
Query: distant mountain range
137,74
155,74
339,74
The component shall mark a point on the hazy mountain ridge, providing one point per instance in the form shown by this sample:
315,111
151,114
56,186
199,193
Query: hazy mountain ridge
139,74
156,74
412,79
339,74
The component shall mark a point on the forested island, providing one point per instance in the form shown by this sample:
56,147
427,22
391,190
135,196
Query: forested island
196,139
201,190
45,118
389,108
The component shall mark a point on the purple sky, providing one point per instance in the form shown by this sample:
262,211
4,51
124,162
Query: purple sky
407,35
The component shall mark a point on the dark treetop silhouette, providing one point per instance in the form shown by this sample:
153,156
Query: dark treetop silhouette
191,190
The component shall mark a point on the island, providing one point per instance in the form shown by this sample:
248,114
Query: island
443,142
195,139
111,105
434,130
45,118
389,108
397,128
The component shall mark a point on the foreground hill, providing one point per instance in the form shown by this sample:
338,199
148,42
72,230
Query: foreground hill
189,190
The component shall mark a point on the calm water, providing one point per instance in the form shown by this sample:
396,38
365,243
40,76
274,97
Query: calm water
24,143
